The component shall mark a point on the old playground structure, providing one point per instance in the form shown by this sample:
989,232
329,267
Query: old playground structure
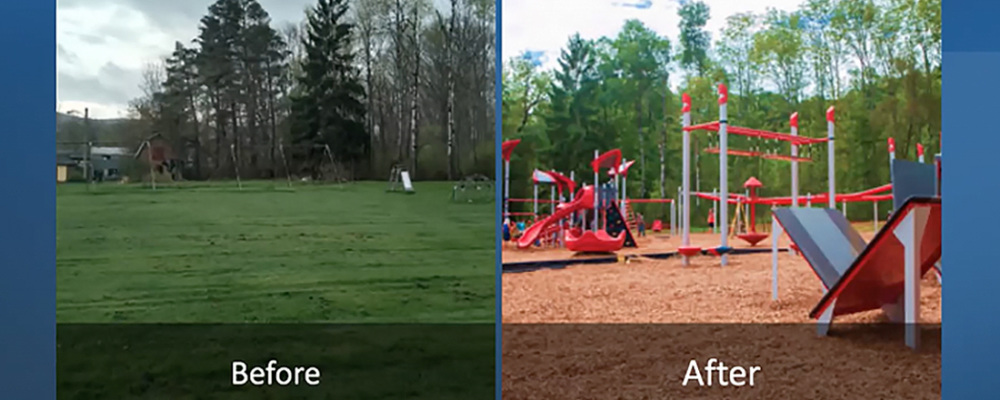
594,229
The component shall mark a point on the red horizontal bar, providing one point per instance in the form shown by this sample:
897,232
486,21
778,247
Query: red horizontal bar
650,201
739,130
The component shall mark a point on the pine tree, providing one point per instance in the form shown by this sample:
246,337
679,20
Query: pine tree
330,109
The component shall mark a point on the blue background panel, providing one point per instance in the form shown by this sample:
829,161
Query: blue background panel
27,201
970,188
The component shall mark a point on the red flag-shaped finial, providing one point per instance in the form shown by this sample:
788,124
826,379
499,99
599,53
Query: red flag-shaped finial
723,94
686,101
794,120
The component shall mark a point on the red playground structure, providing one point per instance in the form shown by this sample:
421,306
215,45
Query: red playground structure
597,239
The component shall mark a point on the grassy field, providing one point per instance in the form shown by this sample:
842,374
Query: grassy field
315,253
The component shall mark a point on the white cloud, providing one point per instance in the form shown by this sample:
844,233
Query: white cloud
546,25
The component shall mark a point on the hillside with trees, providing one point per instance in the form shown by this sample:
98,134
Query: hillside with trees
877,61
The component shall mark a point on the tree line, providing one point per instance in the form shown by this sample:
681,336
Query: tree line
878,62
354,88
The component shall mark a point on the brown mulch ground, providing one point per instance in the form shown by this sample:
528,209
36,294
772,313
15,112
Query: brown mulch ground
628,331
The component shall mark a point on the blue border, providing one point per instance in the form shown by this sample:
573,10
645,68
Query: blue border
498,211
971,59
27,206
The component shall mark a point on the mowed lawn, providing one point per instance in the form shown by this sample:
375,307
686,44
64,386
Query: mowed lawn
314,253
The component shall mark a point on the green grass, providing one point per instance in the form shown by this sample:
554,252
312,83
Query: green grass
268,253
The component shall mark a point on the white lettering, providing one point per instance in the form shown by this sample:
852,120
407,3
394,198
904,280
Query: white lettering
736,376
693,373
239,373
274,374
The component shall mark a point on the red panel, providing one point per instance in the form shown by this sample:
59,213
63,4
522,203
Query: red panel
595,242
878,277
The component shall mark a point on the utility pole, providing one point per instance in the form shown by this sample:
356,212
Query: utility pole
88,168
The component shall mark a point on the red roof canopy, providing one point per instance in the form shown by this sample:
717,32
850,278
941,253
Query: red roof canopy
623,169
508,148
752,183
610,159
563,181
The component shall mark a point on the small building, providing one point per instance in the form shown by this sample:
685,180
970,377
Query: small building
104,163
107,162
155,150
159,155
63,165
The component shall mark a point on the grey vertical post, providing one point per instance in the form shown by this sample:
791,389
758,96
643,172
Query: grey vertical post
875,214
535,200
723,167
831,173
597,195
686,173
794,122
506,189
715,211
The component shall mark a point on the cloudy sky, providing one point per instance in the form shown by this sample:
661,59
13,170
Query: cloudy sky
545,26
102,45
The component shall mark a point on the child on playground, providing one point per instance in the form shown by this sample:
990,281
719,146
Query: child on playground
512,230
641,225
507,231
711,218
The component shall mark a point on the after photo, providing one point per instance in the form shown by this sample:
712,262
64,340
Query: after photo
755,183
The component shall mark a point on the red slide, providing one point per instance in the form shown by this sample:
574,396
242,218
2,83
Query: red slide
584,200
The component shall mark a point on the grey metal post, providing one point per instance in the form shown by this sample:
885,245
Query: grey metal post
794,121
723,169
597,195
686,174
831,173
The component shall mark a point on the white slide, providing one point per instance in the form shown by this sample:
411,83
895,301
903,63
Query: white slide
407,184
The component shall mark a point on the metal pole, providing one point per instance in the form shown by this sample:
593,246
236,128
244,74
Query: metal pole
673,220
624,191
236,165
831,173
723,167
535,199
794,121
552,200
152,170
597,193
686,174
775,234
715,211
875,212
506,189
892,152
